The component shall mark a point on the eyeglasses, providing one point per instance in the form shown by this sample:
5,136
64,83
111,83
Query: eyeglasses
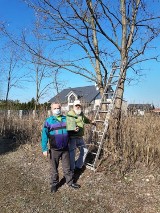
78,106
57,108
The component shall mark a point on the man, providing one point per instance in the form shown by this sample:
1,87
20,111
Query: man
55,131
76,136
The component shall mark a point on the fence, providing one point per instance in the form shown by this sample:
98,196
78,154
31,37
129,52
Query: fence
23,113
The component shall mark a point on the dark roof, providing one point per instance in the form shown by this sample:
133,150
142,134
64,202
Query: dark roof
140,106
88,93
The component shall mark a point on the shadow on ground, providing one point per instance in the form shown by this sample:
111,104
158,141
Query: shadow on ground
76,176
78,173
8,144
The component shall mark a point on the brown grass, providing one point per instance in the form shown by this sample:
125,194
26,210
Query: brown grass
138,139
25,172
138,143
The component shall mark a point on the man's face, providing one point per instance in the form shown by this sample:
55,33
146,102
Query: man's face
55,106
56,109
77,109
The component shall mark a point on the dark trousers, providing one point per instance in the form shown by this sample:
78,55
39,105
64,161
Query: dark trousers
55,156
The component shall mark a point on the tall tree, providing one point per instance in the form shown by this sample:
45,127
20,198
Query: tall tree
100,32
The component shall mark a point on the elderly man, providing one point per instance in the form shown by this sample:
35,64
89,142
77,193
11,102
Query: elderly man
76,136
55,132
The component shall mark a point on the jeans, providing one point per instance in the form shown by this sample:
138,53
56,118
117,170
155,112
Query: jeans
73,144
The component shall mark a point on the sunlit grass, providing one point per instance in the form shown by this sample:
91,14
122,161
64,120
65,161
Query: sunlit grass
138,139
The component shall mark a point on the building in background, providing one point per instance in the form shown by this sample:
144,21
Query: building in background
140,109
88,95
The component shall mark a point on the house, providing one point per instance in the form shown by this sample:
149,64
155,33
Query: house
89,96
156,111
139,109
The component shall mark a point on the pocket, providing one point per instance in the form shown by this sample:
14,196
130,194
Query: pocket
53,144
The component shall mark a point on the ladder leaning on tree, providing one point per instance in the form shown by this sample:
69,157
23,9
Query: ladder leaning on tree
102,117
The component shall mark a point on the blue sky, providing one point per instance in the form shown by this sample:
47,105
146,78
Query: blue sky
147,90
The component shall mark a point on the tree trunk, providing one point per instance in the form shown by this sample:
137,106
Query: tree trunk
123,70
96,49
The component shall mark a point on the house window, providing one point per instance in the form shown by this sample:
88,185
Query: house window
72,99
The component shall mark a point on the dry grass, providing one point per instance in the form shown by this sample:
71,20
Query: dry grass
136,143
25,188
138,139
25,178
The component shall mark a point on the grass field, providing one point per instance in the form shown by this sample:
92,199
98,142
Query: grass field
127,180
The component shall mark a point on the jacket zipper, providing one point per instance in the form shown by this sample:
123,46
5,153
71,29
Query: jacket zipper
62,132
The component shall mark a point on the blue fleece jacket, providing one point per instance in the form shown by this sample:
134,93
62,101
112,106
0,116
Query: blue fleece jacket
54,131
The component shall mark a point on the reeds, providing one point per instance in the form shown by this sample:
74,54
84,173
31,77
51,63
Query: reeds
26,129
138,140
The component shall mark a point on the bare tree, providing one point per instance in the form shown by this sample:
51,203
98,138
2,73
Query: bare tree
41,70
102,32
87,36
11,69
46,77
41,74
1,91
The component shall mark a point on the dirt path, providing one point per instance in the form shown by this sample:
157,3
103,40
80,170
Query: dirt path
24,188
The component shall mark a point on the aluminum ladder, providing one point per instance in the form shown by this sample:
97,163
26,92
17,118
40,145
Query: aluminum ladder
101,119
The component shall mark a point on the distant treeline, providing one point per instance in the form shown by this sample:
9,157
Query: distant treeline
16,105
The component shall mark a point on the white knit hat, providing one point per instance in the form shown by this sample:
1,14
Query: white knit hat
77,102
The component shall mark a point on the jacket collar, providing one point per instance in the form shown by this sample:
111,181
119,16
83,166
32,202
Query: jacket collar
55,118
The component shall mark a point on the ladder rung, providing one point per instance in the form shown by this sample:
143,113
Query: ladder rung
98,131
114,83
94,145
114,76
98,142
99,135
99,121
90,166
104,122
94,153
107,102
109,92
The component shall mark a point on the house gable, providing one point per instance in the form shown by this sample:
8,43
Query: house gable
71,96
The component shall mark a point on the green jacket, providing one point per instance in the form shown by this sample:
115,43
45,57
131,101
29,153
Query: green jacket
79,121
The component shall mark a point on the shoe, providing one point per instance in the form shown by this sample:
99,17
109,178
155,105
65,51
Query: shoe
75,186
77,169
53,189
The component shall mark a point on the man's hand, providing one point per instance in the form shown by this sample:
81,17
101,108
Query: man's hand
76,129
45,153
